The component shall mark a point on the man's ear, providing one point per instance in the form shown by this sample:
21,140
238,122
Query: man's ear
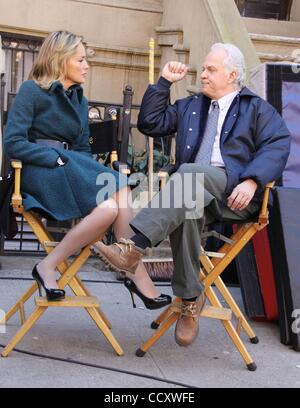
232,77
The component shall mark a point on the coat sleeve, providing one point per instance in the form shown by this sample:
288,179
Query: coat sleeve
157,117
83,145
20,120
272,143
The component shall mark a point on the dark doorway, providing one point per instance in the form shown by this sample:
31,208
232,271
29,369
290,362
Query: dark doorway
275,9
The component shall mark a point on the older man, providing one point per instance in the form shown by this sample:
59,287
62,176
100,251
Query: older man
236,139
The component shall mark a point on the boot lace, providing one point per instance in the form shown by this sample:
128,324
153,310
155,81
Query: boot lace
125,245
189,309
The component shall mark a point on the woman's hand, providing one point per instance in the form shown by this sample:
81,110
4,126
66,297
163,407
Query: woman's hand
174,71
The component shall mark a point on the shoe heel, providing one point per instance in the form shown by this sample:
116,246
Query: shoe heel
39,288
51,294
132,298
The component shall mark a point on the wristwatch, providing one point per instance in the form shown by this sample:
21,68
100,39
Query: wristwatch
60,162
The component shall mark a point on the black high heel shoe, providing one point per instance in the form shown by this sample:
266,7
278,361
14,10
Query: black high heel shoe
150,303
51,294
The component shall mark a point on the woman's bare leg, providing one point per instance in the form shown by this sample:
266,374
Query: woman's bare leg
85,232
122,230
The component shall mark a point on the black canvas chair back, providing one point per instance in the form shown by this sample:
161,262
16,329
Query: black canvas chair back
103,136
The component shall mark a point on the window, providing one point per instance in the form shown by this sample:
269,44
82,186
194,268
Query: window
275,9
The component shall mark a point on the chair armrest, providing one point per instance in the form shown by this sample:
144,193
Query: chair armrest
121,167
164,173
16,164
169,169
264,213
16,197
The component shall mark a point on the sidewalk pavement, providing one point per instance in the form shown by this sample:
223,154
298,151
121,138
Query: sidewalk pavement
69,334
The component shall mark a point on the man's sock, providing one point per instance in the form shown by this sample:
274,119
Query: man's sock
141,241
190,299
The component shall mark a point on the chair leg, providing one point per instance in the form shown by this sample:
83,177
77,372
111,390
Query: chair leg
93,312
19,305
236,310
208,267
163,316
68,277
239,345
172,318
213,299
84,291
37,313
74,282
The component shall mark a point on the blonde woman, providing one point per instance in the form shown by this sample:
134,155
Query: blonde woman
48,130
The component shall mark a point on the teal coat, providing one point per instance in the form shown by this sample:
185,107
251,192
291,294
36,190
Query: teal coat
61,193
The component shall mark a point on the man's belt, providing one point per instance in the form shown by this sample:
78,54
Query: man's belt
54,143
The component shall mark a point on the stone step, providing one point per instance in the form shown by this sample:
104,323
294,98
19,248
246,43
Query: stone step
113,56
270,57
272,27
273,44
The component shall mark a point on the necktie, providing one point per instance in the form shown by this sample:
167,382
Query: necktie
205,149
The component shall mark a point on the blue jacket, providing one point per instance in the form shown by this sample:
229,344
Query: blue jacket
62,193
254,142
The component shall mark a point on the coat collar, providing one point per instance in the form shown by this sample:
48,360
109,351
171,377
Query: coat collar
246,92
58,85
243,92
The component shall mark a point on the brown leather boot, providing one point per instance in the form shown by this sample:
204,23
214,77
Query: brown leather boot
123,256
187,326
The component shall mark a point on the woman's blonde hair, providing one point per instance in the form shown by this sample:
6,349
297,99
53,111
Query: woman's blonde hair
51,63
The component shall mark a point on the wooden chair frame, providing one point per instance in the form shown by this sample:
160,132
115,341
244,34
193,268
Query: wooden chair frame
68,277
211,269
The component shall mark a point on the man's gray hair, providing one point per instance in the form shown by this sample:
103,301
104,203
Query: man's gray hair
235,61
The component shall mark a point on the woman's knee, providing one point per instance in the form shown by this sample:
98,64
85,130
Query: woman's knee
109,206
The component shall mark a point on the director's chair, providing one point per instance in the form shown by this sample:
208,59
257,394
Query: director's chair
68,271
68,277
212,266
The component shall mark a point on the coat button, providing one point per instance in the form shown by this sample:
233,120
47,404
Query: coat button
196,97
190,129
235,115
226,133
194,113
188,147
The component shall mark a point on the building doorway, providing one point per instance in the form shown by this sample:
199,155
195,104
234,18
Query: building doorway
274,9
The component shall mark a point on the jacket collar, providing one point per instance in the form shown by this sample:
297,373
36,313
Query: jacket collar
58,85
243,92
246,92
